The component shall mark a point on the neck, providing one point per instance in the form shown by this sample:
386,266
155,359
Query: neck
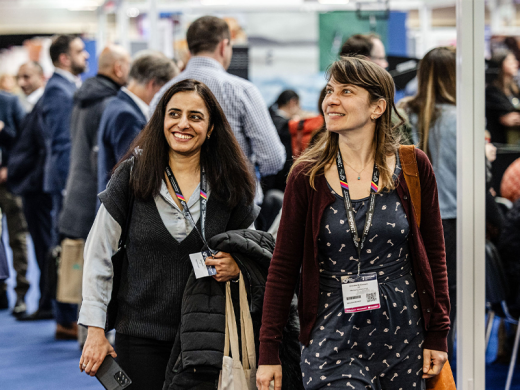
139,90
357,147
215,56
66,69
508,80
185,164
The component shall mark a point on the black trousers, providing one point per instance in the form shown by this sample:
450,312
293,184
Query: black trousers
450,240
37,208
144,360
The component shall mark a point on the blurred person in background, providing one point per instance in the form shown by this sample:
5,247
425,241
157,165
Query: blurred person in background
8,84
433,116
503,100
69,58
31,80
11,118
126,115
209,42
286,107
90,100
25,178
371,47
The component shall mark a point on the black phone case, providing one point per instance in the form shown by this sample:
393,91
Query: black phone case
112,376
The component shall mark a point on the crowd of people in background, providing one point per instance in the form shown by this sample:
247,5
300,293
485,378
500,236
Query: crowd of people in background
79,158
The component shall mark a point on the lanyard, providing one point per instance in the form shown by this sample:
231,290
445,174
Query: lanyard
185,209
351,216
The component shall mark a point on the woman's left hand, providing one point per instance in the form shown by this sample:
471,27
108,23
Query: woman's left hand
433,361
225,266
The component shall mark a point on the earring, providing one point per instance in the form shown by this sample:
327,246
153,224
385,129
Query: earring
207,137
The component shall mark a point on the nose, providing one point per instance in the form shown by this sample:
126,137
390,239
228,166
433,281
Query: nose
183,123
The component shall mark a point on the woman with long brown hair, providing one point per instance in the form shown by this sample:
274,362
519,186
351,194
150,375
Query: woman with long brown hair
183,181
503,99
433,116
373,299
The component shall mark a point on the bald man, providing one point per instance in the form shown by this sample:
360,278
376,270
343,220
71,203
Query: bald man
79,204
31,80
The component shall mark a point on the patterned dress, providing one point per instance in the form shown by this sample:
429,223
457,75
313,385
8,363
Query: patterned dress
378,349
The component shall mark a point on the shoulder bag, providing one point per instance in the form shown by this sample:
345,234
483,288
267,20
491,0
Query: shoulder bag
236,375
443,381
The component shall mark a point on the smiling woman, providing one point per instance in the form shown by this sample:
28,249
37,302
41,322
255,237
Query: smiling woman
174,190
359,305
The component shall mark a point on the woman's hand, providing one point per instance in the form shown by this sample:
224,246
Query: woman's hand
266,374
433,361
225,266
511,119
95,350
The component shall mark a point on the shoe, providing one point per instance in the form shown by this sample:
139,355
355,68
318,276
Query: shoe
36,316
4,302
19,308
67,333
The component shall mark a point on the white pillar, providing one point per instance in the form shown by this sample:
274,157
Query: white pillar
153,18
470,196
425,16
122,23
101,34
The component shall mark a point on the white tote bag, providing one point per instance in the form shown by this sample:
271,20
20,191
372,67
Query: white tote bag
236,375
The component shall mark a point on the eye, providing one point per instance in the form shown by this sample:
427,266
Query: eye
196,117
173,114
347,91
328,91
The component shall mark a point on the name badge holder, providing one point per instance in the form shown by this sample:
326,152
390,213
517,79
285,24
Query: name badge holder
361,292
198,260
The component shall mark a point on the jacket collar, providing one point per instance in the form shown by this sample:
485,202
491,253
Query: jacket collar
125,97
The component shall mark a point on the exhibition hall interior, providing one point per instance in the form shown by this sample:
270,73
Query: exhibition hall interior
175,176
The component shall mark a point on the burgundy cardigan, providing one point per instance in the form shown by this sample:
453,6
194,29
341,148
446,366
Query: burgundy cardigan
296,252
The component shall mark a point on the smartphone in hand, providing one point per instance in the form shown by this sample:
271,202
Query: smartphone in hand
112,376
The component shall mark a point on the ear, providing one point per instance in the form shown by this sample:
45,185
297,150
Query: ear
210,131
222,47
378,108
64,59
117,69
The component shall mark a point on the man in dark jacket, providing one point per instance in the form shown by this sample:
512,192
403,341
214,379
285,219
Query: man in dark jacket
91,99
69,57
127,114
79,204
11,117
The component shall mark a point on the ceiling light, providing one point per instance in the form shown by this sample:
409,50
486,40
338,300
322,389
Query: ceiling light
333,1
132,12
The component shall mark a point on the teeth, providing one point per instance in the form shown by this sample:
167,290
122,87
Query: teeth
335,114
182,136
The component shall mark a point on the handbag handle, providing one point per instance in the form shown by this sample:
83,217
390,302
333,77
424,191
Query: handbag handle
246,328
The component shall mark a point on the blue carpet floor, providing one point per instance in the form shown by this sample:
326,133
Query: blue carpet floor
30,358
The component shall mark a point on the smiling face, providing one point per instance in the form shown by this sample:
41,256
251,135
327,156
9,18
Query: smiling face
186,123
348,107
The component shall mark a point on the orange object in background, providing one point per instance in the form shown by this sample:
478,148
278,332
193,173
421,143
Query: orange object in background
302,132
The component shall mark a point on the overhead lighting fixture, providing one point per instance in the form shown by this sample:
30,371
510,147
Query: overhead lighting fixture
132,12
333,1
215,2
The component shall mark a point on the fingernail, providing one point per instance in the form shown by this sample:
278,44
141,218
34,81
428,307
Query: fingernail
425,369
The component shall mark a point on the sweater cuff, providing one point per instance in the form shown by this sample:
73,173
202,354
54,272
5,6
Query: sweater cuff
436,340
269,354
92,314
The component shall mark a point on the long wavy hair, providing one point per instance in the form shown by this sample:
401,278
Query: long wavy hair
228,172
358,71
437,84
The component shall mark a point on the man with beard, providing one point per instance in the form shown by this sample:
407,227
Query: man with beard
69,58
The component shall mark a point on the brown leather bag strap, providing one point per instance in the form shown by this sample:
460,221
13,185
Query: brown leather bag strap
411,175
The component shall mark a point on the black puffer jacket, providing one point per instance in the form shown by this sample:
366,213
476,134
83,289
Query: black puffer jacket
196,357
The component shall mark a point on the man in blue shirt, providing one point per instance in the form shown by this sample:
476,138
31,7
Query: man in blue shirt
69,58
209,41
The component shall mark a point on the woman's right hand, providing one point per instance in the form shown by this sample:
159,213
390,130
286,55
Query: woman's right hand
511,119
95,350
266,374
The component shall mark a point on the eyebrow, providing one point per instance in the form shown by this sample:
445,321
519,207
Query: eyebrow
191,112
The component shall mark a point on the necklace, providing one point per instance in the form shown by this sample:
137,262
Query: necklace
358,172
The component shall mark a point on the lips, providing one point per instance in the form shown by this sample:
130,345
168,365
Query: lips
335,114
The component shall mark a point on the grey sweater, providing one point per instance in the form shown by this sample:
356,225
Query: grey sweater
158,266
